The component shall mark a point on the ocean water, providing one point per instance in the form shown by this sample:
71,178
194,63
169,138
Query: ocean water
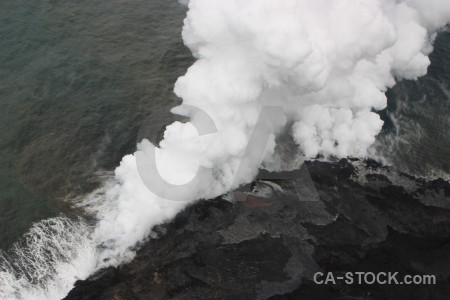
416,134
79,78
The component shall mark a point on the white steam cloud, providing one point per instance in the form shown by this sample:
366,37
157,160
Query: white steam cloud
325,63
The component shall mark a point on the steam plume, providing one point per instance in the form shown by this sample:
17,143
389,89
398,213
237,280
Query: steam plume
326,63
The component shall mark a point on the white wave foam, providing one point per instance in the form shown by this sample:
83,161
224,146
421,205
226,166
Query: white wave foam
47,261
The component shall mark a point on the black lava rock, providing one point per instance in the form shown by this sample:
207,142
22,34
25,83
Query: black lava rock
348,216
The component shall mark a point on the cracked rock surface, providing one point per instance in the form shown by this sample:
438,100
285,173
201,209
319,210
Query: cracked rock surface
267,240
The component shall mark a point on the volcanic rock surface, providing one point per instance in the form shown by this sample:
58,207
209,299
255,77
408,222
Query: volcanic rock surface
267,240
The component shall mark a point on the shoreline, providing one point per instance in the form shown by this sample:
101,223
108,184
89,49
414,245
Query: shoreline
270,250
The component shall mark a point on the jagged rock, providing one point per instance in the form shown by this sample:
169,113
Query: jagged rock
337,217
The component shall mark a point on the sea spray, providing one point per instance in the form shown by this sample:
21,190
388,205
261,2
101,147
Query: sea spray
48,259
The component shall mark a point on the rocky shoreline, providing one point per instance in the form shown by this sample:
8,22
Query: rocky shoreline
346,216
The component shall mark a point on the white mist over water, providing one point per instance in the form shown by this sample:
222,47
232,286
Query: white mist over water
326,63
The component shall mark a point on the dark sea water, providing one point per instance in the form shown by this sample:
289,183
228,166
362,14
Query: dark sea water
416,133
78,78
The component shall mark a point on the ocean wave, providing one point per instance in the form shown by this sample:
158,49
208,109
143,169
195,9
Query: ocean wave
47,261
